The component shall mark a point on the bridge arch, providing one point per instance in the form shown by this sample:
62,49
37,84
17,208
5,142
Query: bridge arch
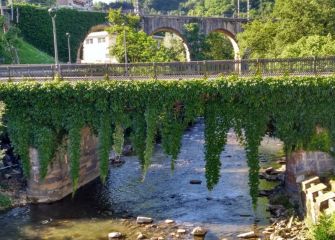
233,41
96,28
176,32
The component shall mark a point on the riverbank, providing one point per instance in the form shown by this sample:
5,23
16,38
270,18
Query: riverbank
12,189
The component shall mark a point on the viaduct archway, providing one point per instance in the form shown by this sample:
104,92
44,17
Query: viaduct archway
230,27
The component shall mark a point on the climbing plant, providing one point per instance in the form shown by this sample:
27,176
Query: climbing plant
41,115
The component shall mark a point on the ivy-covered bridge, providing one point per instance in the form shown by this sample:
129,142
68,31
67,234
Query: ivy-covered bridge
64,131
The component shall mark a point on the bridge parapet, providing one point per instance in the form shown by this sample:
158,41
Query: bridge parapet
153,23
57,184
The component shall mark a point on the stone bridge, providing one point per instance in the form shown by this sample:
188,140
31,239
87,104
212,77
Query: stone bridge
152,24
228,26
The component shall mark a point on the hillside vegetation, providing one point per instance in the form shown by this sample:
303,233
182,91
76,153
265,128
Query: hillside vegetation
28,54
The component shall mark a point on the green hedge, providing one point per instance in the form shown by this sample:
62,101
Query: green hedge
41,114
36,28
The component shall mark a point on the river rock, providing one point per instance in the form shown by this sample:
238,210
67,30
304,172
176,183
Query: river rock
140,236
247,235
114,235
7,176
169,221
195,182
181,231
199,231
269,170
144,220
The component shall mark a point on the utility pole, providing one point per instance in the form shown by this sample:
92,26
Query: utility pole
238,8
248,9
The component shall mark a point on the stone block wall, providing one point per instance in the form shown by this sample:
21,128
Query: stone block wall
318,199
57,183
301,165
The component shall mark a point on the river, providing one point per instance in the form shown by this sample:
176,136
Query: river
98,209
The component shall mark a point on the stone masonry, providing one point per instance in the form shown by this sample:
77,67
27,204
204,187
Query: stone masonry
301,165
317,199
57,183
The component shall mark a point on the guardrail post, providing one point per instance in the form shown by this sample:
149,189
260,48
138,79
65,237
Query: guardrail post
9,77
155,70
314,65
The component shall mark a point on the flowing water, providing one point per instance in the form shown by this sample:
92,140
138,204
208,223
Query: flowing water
97,209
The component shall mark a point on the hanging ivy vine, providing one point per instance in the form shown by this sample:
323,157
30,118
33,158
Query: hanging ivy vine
39,114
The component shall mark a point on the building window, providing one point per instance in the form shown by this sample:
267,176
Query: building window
101,40
89,41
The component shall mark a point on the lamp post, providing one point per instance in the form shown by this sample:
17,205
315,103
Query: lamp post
238,8
53,13
125,50
248,9
68,35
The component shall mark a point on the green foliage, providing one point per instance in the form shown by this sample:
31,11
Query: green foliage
310,46
46,145
74,153
325,229
320,142
217,124
267,37
5,201
118,139
105,144
140,46
218,47
39,114
195,40
36,28
29,54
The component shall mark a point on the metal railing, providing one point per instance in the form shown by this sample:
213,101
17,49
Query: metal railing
173,70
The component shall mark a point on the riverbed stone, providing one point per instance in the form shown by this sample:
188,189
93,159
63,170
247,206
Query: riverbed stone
140,236
247,235
199,231
144,220
114,235
181,231
169,221
195,182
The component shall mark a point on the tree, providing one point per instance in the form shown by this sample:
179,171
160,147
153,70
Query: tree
285,25
218,47
8,42
310,46
140,46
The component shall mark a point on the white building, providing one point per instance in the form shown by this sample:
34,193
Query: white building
78,4
96,48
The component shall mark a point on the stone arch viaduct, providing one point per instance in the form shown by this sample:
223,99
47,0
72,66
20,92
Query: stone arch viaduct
229,26
152,24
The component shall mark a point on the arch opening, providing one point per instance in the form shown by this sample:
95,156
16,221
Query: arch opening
95,46
174,40
232,40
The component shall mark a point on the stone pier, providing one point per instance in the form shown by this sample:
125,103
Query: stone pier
57,183
301,165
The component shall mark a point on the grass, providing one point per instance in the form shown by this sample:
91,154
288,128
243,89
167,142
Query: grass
5,201
28,54
325,229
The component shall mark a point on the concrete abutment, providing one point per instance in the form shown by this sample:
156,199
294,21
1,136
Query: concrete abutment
57,184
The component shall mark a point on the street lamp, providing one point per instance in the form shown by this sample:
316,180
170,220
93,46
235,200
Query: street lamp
53,13
68,35
125,49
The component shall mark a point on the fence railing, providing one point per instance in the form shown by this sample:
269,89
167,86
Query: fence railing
173,70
